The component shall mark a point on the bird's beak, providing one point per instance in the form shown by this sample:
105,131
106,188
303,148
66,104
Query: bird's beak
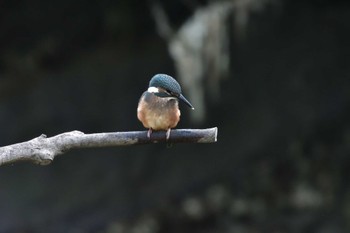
183,99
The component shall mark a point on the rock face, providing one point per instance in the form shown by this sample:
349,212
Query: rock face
281,161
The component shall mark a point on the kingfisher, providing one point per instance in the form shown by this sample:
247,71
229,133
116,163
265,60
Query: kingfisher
158,107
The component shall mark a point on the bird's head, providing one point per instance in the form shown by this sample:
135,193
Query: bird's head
165,86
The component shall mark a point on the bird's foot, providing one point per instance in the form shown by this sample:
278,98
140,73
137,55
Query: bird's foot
149,133
168,134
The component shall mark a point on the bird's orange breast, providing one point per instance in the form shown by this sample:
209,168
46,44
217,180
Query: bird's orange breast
158,113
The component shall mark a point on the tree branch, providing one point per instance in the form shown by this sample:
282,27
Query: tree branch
42,150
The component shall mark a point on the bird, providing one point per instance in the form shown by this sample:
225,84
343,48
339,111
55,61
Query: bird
158,107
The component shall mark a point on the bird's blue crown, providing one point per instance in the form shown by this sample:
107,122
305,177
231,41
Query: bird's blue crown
166,82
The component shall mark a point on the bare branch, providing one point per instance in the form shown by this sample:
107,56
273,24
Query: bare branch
42,150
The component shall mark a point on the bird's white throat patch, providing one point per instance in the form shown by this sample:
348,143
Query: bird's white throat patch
153,90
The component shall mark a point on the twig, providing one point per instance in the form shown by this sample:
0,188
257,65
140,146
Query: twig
42,150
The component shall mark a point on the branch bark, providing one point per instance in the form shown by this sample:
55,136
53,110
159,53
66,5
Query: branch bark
42,150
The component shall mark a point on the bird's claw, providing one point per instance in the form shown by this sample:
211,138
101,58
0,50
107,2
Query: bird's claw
149,133
168,134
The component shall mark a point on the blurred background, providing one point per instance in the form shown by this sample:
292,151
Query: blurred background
272,75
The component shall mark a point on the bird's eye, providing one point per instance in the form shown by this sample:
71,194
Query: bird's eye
174,94
171,93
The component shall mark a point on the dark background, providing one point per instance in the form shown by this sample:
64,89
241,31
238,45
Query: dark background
281,163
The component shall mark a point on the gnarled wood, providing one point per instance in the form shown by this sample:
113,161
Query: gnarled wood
42,150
